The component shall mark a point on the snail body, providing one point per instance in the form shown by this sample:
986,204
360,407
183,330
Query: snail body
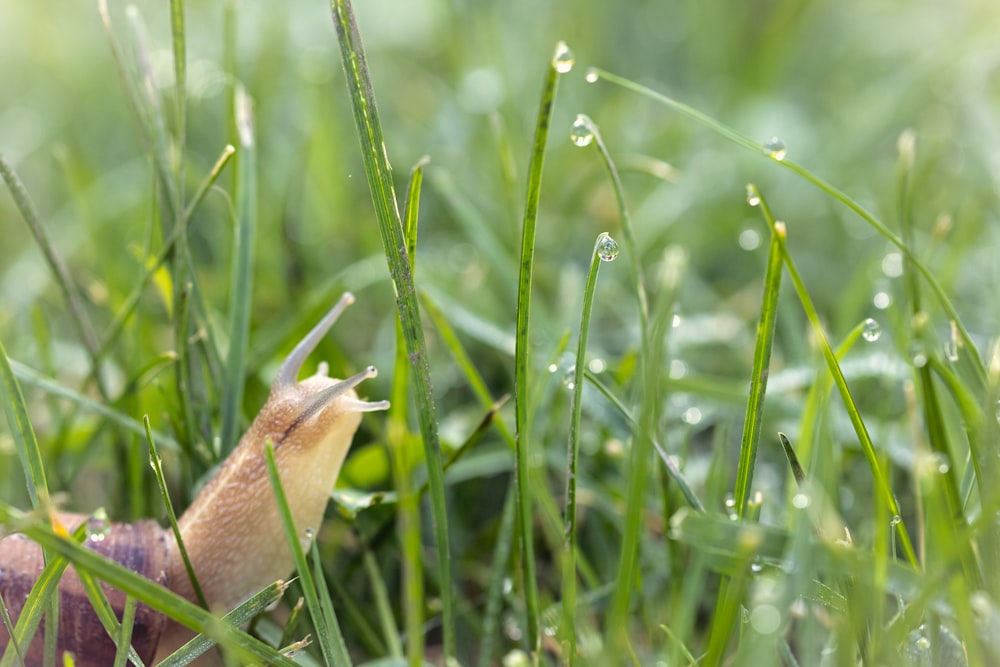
232,531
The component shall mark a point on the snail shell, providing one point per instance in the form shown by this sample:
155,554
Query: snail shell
140,546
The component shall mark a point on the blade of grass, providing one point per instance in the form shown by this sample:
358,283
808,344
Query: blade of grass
154,460
328,635
521,361
602,253
60,271
397,435
860,430
379,173
238,617
23,433
758,374
241,276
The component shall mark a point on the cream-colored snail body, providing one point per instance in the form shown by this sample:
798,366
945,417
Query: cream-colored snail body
232,532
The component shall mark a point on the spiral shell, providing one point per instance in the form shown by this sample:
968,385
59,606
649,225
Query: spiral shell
140,547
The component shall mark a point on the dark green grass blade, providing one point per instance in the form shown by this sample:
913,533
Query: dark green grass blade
328,635
373,153
522,364
600,254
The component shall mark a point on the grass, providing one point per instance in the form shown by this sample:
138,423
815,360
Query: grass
632,503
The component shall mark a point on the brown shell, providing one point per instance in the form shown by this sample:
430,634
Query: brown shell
141,547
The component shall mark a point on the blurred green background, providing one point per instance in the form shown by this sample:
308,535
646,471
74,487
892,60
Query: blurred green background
837,81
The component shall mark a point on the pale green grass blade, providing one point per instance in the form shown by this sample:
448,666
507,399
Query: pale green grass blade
758,376
238,617
241,276
382,606
328,635
106,615
23,433
179,35
60,271
864,439
373,153
522,364
581,127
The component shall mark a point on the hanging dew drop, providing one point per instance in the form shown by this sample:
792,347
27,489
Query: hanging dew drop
776,148
607,248
896,520
98,526
570,378
753,195
592,75
871,330
563,59
582,133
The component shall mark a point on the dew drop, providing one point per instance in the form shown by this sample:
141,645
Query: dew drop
98,526
678,369
753,195
508,585
563,59
756,566
592,75
776,147
918,356
597,366
765,619
569,379
582,132
607,248
553,368
895,521
951,350
871,330
801,500
730,501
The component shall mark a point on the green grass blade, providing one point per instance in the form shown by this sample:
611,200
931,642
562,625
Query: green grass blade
328,635
522,363
106,614
399,440
23,433
157,464
238,617
585,124
758,375
60,271
382,606
605,249
180,81
241,277
860,430
373,153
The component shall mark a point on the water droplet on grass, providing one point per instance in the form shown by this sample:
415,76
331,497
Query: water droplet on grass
753,195
98,526
582,133
607,248
563,59
592,76
776,147
871,330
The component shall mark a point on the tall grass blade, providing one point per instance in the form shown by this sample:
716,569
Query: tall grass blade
241,276
379,173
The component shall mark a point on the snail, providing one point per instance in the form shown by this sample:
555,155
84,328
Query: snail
232,531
